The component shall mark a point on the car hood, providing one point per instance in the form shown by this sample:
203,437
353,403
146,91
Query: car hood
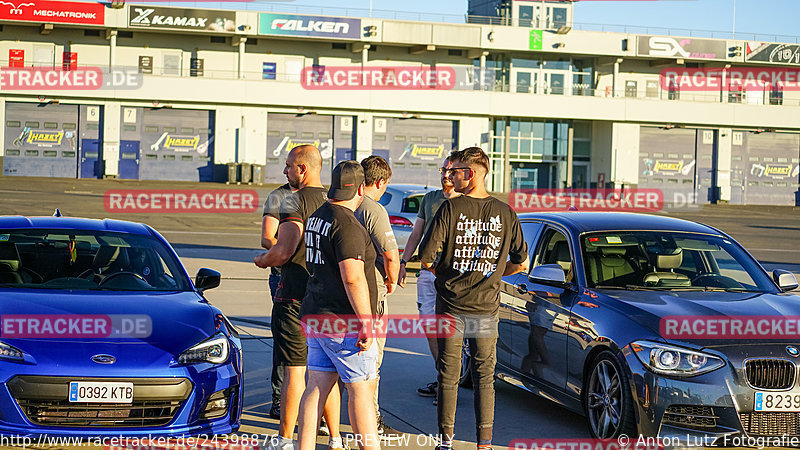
648,308
178,319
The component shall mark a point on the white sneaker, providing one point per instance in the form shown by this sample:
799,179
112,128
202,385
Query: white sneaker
277,443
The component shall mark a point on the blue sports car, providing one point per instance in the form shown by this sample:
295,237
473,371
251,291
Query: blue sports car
103,333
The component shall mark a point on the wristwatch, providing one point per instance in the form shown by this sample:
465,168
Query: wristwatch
402,262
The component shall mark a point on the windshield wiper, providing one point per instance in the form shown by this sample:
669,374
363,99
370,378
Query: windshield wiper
630,287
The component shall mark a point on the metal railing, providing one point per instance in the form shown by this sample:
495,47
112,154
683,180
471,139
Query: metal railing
259,6
467,79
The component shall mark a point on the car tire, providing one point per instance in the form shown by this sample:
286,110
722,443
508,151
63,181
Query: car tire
465,380
611,414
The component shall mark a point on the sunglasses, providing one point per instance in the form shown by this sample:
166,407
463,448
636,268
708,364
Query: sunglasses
444,171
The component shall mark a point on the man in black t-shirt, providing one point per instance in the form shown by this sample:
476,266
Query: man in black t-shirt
303,166
269,231
341,258
481,241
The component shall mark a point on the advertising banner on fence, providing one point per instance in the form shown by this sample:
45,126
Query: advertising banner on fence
182,19
310,26
675,47
53,12
773,53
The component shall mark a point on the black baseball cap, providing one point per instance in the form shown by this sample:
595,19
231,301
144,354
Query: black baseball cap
347,176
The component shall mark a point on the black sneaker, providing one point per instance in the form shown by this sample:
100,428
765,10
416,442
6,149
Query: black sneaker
386,432
275,411
323,429
429,390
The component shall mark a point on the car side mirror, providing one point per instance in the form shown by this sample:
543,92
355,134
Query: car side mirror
206,279
784,279
548,274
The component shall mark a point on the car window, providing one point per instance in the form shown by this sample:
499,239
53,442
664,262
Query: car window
385,199
669,260
531,232
77,259
411,204
554,249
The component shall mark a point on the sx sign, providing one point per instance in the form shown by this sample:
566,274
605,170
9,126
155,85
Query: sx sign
667,46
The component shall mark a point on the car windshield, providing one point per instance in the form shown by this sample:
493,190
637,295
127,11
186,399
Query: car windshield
94,260
669,260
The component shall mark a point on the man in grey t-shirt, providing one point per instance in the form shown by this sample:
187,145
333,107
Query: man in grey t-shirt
375,219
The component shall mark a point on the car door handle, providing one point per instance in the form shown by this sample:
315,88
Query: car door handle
522,288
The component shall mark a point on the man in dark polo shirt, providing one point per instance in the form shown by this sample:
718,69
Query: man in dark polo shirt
303,166
269,231
341,258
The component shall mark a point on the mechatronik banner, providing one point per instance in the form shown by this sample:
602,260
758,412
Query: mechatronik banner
676,47
311,26
773,53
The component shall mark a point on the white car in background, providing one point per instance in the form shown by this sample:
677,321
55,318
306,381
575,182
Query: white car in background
402,203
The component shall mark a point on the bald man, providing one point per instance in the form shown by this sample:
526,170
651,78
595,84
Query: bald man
303,167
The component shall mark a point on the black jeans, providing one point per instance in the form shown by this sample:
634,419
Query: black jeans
480,333
277,368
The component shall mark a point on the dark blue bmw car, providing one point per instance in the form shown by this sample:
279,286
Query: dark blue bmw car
652,325
103,333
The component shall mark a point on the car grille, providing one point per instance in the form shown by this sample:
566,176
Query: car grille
690,416
771,423
770,373
64,413
44,401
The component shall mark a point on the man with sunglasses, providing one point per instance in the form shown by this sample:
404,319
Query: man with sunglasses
481,241
426,293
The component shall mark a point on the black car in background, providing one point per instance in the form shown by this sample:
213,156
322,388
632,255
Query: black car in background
584,328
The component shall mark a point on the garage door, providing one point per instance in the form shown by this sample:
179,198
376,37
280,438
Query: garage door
41,140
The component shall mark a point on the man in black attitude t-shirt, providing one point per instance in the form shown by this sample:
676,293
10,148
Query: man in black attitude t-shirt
303,166
481,241
341,258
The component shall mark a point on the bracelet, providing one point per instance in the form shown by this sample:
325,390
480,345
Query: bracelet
402,262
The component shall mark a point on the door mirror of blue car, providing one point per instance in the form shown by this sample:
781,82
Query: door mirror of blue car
784,279
549,274
206,279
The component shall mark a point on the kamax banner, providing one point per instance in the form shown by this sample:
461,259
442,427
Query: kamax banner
309,26
676,47
772,53
53,12
181,19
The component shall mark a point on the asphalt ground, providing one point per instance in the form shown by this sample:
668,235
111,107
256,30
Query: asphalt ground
227,242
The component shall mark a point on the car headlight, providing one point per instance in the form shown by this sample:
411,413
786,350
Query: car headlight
677,361
214,350
10,352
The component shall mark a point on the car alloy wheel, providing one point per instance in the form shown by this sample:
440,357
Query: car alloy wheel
607,402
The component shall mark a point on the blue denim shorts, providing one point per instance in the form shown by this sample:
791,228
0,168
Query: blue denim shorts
340,355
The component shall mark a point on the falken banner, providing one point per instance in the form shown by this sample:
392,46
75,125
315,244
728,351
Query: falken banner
309,26
773,53
181,19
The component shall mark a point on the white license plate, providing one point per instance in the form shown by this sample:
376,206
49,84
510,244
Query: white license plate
777,401
100,392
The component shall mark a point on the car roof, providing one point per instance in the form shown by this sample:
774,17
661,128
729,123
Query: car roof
73,223
582,222
410,188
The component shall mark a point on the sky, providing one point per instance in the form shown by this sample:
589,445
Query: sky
762,17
